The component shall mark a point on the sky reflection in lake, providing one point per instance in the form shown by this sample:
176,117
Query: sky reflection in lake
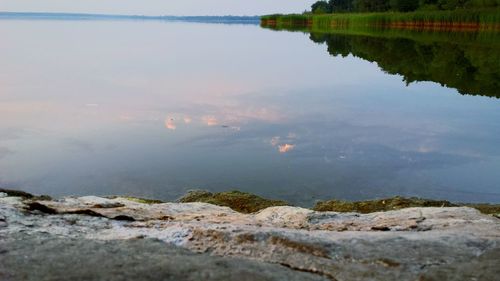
154,109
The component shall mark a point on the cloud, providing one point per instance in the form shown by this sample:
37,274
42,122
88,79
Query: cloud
170,124
209,120
284,148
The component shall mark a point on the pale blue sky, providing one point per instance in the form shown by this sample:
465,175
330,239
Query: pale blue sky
159,7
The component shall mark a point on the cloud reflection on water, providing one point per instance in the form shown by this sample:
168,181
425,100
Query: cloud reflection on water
284,148
234,124
170,124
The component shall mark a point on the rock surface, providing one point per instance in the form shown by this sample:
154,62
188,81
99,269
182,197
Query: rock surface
46,257
121,238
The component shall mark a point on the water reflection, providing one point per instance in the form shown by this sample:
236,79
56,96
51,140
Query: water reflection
170,124
140,108
284,148
210,120
466,61
472,69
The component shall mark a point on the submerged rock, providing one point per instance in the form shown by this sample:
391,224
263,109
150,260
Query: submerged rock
236,200
433,243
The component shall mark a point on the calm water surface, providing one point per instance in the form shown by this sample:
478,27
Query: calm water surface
154,109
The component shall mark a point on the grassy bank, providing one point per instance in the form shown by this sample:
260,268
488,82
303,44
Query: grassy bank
488,19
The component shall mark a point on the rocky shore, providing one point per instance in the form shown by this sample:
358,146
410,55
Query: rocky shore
120,238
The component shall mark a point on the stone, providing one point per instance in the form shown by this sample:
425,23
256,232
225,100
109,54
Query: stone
236,200
59,258
407,244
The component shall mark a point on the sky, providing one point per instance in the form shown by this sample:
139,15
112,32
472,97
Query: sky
159,7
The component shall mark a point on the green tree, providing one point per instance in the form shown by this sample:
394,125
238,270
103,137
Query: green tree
404,5
371,5
341,5
321,7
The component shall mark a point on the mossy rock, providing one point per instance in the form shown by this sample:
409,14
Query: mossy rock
490,209
239,201
379,205
16,193
144,200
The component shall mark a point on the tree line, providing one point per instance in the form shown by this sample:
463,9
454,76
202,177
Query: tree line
345,6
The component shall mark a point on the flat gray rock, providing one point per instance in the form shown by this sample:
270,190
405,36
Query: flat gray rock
120,239
45,257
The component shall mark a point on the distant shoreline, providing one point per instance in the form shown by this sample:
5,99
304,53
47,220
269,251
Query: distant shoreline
85,16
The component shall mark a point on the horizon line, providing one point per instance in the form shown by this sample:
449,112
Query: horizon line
4,13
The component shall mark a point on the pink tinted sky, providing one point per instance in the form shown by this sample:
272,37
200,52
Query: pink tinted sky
159,7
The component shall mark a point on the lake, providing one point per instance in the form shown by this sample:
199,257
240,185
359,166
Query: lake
155,108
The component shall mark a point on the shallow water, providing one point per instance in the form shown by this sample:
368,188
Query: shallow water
152,109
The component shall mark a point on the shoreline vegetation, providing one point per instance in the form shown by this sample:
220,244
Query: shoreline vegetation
456,20
248,203
450,15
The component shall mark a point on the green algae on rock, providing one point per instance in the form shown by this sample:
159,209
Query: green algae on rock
249,203
397,203
239,201
490,209
370,206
